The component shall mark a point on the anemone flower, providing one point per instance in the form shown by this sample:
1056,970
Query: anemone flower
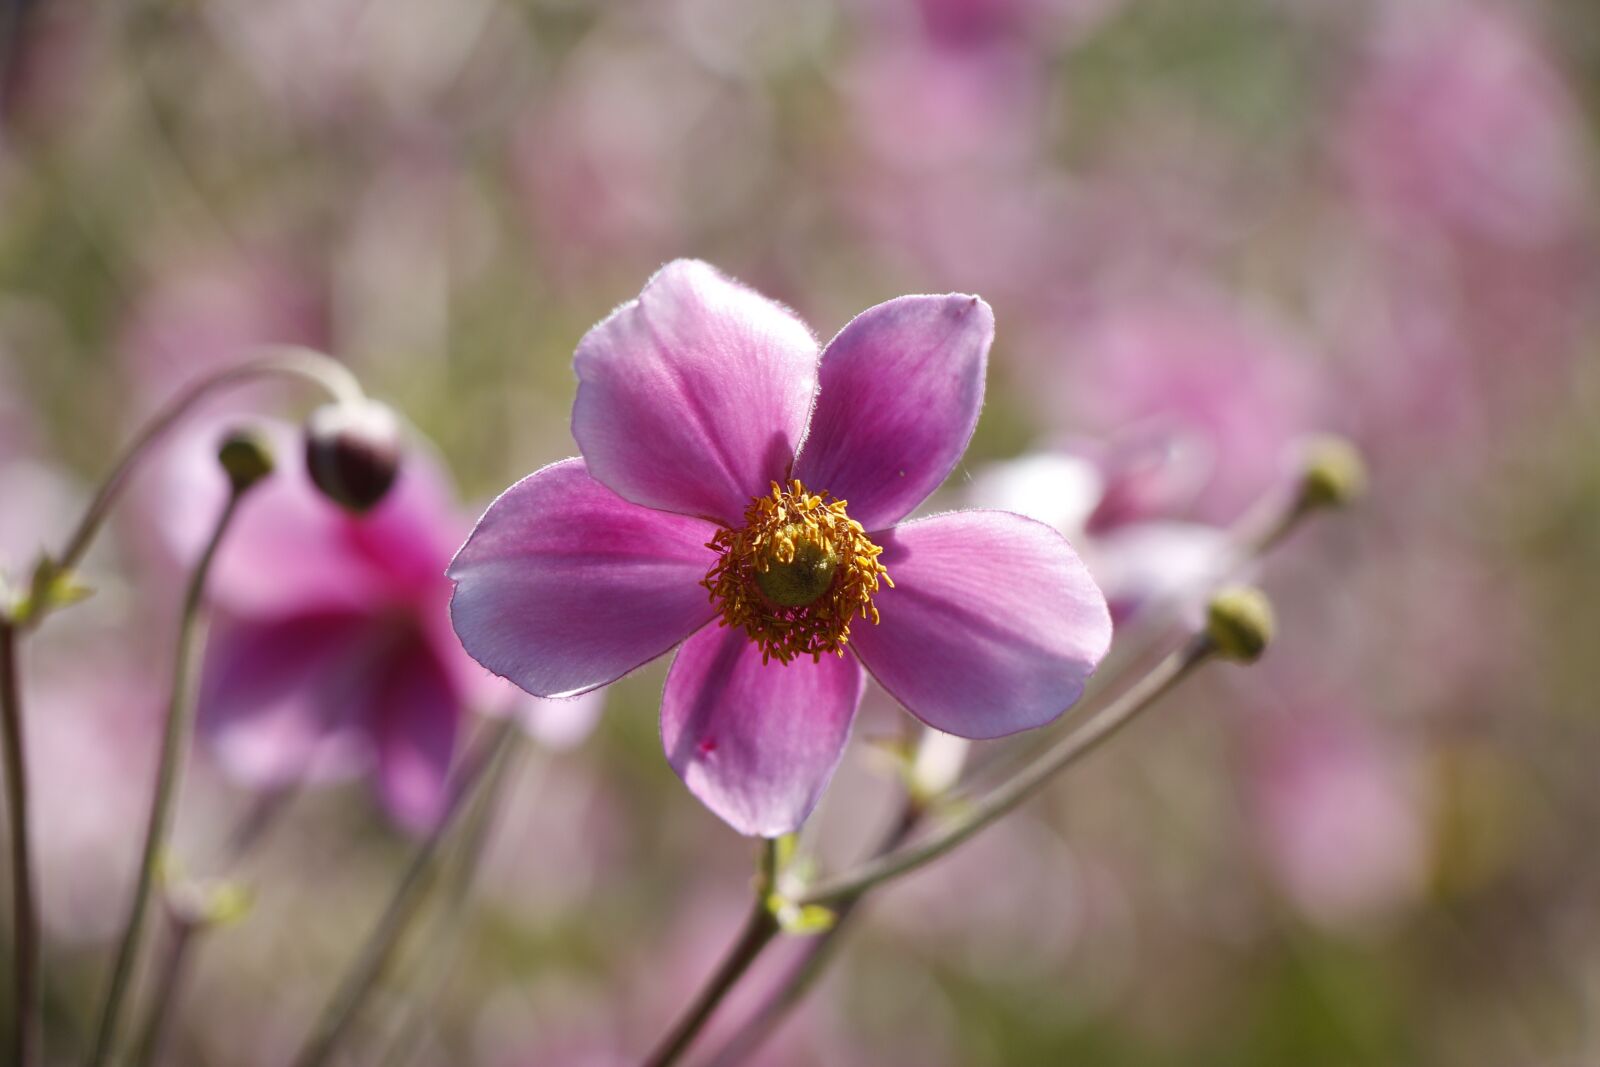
742,496
331,655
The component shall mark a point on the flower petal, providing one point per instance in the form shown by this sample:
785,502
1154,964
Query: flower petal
277,697
756,742
694,397
993,624
565,586
414,717
901,387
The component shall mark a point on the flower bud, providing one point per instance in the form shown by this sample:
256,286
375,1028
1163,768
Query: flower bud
246,455
1239,623
353,452
1334,473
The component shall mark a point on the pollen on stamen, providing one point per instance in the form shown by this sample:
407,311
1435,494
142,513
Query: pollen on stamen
796,574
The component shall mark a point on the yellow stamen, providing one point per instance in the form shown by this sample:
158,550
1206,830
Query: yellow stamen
796,574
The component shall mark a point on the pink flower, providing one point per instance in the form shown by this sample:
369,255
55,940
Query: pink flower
332,652
721,453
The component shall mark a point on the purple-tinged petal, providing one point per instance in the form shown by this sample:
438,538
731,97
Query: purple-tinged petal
900,391
993,624
279,698
756,742
565,586
694,397
1170,566
414,717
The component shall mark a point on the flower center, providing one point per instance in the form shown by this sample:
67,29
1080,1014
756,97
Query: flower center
795,574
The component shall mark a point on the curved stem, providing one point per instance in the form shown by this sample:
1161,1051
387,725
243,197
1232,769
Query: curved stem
757,932
1023,785
379,948
25,912
174,746
284,361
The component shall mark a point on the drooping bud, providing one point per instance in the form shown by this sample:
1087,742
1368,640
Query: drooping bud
246,456
1334,473
353,452
1239,623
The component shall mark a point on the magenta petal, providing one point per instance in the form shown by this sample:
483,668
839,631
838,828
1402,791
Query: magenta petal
564,586
993,624
693,397
756,742
901,387
278,698
414,717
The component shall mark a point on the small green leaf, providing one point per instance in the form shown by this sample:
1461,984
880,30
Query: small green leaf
806,921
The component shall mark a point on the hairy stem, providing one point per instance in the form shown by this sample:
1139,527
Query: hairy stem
757,932
283,362
1071,748
25,913
379,948
174,749
819,952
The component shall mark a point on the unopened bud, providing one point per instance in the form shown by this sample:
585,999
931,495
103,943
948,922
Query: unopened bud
246,455
353,452
1334,473
1239,623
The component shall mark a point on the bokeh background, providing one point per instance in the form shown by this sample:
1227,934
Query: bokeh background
1232,221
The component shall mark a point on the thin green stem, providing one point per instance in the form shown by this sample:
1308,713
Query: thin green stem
379,948
757,932
183,932
444,942
1020,787
174,749
285,361
25,913
814,959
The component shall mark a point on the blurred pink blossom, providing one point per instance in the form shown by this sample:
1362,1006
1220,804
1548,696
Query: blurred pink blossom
1340,814
332,654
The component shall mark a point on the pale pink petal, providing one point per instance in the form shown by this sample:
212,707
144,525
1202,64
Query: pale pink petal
414,714
279,699
901,387
564,586
694,397
756,742
1167,566
560,724
993,624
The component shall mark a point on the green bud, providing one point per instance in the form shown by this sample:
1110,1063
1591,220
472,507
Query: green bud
1334,473
1239,623
246,455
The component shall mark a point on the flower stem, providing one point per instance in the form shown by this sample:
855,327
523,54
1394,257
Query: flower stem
174,747
25,912
818,953
758,930
183,931
1024,784
281,361
379,948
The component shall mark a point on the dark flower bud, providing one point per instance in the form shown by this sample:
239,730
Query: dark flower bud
353,452
246,455
1239,623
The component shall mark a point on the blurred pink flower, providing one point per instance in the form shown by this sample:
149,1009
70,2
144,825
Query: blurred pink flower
1462,121
1199,400
693,402
1138,561
1340,817
332,651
